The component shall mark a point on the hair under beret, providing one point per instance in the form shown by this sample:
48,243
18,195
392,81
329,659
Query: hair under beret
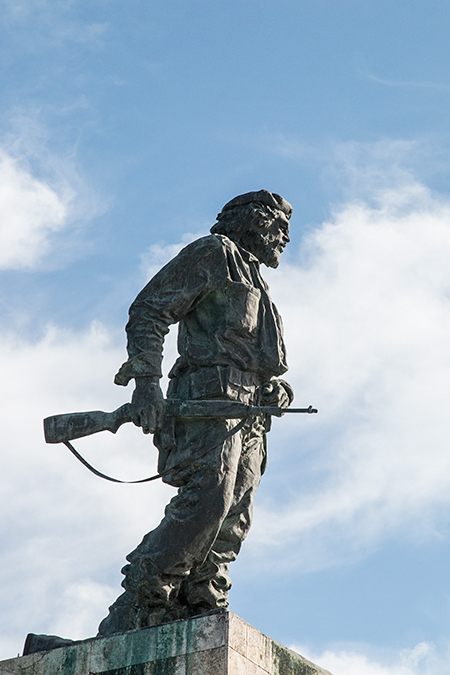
262,196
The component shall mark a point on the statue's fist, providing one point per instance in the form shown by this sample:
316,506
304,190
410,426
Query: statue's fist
147,404
276,393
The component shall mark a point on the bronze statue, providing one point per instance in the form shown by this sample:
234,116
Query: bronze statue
231,348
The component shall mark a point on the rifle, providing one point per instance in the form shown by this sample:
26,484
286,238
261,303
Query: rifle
64,428
67,427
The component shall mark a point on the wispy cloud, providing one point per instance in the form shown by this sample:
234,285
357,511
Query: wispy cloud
348,170
417,84
371,171
30,211
48,24
45,203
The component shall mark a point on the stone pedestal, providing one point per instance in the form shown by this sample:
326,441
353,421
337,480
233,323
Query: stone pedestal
217,644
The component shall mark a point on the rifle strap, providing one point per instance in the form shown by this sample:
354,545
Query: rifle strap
177,467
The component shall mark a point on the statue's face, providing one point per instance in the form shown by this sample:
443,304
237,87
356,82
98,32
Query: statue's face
271,242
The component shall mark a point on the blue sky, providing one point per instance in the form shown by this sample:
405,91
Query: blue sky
124,128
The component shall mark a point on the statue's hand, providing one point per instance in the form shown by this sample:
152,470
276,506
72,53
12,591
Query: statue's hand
276,393
147,404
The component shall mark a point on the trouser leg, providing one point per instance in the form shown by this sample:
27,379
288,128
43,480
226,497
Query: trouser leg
182,541
208,584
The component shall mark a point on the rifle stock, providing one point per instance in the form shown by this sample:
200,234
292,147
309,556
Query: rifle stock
67,427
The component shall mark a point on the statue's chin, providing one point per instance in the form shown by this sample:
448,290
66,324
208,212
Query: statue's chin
271,259
273,264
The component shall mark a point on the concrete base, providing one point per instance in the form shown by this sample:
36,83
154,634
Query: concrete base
217,644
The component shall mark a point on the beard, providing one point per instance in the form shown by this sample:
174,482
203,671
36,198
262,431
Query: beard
266,247
270,255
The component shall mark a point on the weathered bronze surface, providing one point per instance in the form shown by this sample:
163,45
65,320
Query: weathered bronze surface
231,349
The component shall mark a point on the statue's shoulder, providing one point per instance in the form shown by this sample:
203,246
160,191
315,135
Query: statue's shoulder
223,242
218,242
211,244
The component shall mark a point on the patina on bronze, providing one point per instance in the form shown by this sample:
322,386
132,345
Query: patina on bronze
231,348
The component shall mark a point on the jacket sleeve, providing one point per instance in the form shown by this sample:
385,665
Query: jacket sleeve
165,300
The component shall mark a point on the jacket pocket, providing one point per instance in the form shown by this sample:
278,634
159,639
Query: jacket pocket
242,307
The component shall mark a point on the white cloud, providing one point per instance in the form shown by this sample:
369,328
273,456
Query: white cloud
30,211
80,606
45,202
370,171
422,659
66,532
367,316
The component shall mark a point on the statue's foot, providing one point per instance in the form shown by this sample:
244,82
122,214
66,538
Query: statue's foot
127,613
41,643
204,596
123,616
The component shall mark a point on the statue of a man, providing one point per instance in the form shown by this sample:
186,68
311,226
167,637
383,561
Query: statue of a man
231,347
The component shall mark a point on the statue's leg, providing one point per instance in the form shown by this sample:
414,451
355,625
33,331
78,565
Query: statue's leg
183,539
207,586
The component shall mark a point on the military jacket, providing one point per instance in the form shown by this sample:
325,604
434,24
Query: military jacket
214,290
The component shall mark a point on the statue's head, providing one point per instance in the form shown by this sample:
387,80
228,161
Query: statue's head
259,222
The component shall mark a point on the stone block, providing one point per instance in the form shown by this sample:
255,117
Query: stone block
219,643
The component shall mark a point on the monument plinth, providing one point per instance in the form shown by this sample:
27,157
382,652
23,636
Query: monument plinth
217,644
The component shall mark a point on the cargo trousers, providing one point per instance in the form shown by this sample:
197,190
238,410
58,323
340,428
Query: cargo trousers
180,569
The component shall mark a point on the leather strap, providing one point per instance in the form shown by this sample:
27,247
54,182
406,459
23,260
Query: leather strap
177,467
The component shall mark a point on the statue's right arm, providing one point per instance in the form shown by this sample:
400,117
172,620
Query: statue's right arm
165,300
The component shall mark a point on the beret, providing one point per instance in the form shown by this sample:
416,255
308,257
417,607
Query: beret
262,196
